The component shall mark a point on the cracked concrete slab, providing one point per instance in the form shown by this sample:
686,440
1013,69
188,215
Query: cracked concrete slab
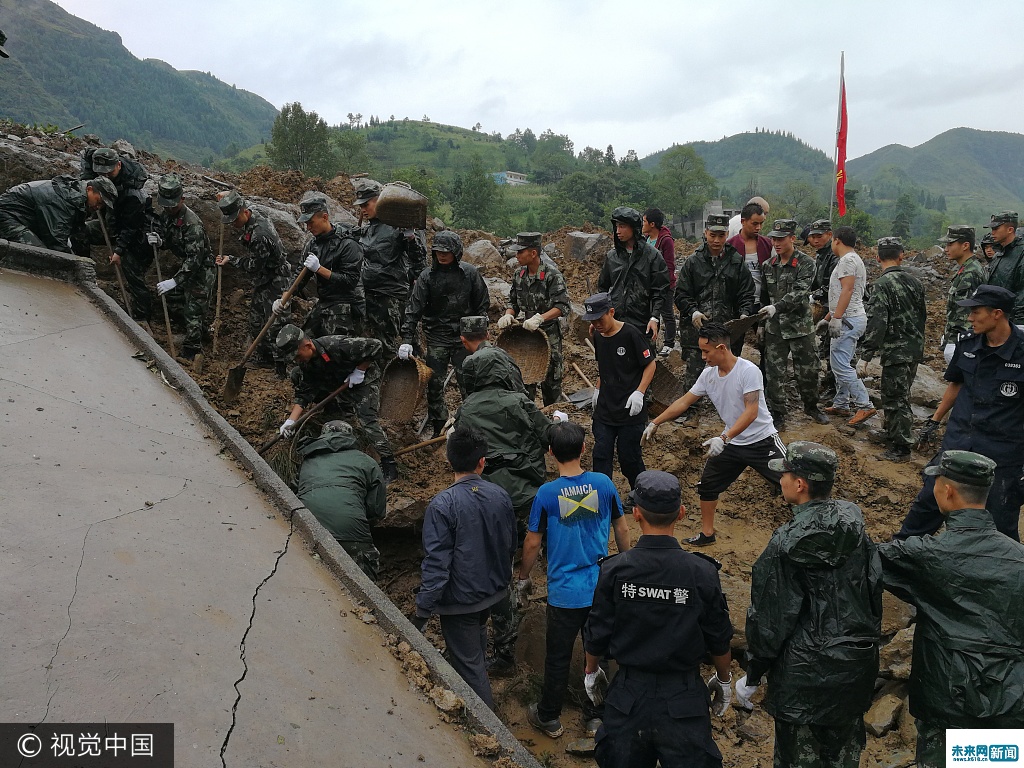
130,551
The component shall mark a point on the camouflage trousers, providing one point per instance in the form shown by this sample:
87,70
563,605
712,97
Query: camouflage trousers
897,378
363,403
551,387
384,321
805,365
338,319
134,266
438,358
505,619
192,302
366,555
819,746
931,744
260,310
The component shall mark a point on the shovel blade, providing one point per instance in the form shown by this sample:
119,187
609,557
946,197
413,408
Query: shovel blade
233,385
582,397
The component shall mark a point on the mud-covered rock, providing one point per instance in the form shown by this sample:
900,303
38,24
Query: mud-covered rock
883,714
896,655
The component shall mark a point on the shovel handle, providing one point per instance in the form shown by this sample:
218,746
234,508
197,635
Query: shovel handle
163,301
270,321
301,420
589,383
117,266
424,444
220,272
590,344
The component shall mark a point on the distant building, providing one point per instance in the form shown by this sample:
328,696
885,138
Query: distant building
512,178
692,227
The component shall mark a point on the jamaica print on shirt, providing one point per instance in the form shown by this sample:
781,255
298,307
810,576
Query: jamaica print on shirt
577,503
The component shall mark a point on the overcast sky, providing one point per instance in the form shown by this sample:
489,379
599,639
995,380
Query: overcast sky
637,75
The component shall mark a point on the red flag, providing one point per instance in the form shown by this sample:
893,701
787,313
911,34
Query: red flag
841,145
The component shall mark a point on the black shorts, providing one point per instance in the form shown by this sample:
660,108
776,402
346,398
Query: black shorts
722,470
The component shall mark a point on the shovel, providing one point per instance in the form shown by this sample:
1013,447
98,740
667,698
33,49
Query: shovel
738,327
163,300
220,273
117,265
236,375
583,396
302,419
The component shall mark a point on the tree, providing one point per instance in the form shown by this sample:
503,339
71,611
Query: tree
631,158
352,153
609,156
475,197
682,184
906,209
801,202
300,140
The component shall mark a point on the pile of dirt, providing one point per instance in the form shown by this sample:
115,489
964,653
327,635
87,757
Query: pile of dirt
290,186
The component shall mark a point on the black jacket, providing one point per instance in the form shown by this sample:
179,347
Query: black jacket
441,297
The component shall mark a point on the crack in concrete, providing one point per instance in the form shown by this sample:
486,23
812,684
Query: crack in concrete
74,594
51,333
241,645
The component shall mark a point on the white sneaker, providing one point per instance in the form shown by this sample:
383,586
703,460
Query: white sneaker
665,351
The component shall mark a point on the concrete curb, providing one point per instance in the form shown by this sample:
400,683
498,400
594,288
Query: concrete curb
82,272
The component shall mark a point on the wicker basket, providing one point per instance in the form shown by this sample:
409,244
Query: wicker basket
665,389
402,388
530,350
402,206
818,311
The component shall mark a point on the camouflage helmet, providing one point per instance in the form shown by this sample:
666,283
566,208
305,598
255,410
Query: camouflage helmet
473,325
889,246
337,425
106,189
1003,217
170,191
783,228
447,241
811,461
231,205
958,234
288,339
964,467
104,160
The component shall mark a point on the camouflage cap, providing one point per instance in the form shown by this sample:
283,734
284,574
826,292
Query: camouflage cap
717,222
230,206
106,188
337,425
1003,217
819,227
170,191
3,39
473,325
993,296
526,240
655,491
288,339
104,160
964,467
312,204
891,245
596,306
366,190
959,234
811,461
783,228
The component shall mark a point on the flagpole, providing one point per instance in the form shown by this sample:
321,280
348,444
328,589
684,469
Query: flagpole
839,120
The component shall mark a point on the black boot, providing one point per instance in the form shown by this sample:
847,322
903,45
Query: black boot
281,369
438,428
390,469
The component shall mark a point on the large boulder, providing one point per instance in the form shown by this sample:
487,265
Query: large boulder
928,387
581,244
883,715
896,656
484,256
499,291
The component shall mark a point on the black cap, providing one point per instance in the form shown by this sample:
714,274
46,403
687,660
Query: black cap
311,205
656,491
783,228
811,461
526,240
993,296
1003,217
819,227
596,306
964,467
717,222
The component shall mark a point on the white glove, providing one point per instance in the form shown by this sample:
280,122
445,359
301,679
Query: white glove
561,415
698,319
355,378
165,286
154,239
744,693
721,694
744,317
593,400
279,308
312,263
862,369
768,312
288,428
596,684
404,351
835,327
820,326
635,403
408,234
648,435
533,323
504,321
523,588
715,446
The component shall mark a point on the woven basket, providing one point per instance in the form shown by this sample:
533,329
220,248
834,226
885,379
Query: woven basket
402,388
402,206
665,389
530,350
818,311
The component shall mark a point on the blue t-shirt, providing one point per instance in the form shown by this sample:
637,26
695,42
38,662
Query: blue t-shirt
577,513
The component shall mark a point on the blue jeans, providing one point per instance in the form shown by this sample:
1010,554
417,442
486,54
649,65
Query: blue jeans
850,391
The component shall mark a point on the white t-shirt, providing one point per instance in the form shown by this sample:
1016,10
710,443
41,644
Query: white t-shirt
726,392
850,264
734,227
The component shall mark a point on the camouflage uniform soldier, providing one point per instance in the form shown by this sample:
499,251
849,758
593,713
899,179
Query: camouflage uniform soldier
127,225
959,246
392,260
538,290
815,619
180,230
1007,266
896,320
265,261
713,284
336,259
445,292
323,364
787,279
819,235
49,213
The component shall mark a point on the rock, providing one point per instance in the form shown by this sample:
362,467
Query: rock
882,716
12,137
484,745
35,140
737,593
552,251
581,747
928,387
500,292
908,728
91,138
483,255
895,657
446,700
896,614
670,463
437,225
756,726
122,147
403,511
581,244
578,327
512,264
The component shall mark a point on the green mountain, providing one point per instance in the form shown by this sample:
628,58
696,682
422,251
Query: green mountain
65,71
761,162
978,172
